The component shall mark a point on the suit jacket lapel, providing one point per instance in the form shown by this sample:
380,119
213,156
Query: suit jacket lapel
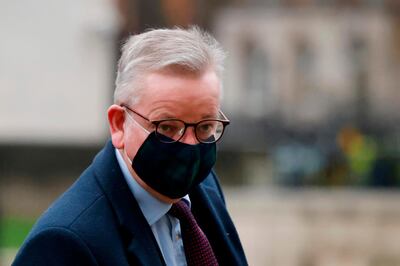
210,212
142,247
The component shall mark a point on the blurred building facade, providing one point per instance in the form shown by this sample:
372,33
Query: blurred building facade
311,88
299,74
308,66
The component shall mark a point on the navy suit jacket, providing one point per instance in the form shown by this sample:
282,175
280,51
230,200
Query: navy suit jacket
97,221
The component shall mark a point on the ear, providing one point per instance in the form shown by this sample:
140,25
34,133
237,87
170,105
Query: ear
116,118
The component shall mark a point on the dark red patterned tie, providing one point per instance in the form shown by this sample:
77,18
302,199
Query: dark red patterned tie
198,250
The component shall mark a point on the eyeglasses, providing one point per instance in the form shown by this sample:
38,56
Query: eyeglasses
172,130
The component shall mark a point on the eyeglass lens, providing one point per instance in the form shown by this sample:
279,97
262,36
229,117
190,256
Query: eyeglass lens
206,131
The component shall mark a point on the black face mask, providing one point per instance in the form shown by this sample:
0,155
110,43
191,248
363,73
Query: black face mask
173,169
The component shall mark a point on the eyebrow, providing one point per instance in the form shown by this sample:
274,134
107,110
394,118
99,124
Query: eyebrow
210,116
166,115
163,115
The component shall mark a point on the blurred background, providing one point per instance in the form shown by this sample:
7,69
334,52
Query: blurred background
311,162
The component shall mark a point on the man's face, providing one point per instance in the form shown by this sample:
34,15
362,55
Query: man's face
167,94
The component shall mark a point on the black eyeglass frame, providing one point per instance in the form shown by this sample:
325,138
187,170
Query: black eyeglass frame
156,123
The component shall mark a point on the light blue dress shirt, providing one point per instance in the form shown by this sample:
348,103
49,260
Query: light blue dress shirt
166,229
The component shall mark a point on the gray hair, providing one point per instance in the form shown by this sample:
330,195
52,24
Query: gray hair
190,49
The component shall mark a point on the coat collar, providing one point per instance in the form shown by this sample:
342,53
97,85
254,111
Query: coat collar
213,218
142,247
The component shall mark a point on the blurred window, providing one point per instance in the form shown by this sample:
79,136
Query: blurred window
358,55
257,77
304,66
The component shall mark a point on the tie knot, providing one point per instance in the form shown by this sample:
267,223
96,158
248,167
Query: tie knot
182,211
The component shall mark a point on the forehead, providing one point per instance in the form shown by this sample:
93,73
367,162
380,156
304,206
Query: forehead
179,93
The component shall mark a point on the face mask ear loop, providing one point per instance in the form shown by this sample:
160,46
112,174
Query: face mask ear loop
126,114
134,121
130,161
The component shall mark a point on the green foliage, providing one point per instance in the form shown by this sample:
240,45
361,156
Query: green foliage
13,231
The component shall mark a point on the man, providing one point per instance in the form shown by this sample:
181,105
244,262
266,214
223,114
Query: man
150,196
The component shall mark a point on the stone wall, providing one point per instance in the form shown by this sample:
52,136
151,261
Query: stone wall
317,227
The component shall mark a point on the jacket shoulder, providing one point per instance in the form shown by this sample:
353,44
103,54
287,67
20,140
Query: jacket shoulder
55,246
75,201
70,227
